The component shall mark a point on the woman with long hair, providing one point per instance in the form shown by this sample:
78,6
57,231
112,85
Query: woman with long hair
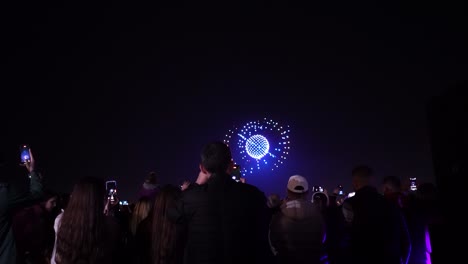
160,241
84,234
140,212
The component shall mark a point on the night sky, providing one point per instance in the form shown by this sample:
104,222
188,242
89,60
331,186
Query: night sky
118,91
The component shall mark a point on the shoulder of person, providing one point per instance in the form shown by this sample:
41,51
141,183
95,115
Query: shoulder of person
254,193
193,191
58,218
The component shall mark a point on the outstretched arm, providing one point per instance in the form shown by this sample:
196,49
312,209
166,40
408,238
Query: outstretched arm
35,192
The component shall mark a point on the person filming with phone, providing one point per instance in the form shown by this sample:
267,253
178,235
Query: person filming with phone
11,200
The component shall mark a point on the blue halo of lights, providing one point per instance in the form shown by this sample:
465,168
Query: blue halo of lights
259,145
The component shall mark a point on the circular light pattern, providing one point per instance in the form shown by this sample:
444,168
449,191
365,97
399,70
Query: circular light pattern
259,145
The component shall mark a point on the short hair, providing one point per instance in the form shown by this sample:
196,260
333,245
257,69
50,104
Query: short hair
393,181
362,171
216,157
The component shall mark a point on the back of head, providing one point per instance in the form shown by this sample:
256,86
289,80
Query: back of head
80,233
362,176
321,199
140,212
166,198
88,194
298,187
392,184
216,157
151,178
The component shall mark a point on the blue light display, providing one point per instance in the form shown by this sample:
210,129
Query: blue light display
259,145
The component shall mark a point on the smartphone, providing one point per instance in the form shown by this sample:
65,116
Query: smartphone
351,194
24,154
317,188
236,172
111,185
340,190
111,189
123,202
413,185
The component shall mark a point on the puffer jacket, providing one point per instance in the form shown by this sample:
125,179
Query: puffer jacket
227,222
297,232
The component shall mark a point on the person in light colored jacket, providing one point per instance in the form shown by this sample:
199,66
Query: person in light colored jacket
297,230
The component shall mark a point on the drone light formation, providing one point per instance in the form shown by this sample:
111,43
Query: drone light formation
259,145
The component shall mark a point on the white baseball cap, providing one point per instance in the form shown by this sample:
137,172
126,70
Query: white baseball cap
298,184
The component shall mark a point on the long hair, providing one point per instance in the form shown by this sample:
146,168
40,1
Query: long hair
140,212
80,234
163,232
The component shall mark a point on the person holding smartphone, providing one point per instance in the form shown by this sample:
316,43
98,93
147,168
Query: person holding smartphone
11,200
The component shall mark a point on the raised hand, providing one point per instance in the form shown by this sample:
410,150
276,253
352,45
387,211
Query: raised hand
185,185
30,164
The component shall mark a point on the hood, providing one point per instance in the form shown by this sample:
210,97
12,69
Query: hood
299,209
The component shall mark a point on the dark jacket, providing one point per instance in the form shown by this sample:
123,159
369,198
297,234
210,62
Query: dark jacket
33,228
227,222
376,228
10,200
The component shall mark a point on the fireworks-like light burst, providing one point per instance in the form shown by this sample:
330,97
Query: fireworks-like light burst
259,145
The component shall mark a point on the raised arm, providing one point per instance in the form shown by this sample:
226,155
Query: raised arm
35,192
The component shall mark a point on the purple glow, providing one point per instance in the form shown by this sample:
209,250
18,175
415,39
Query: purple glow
428,246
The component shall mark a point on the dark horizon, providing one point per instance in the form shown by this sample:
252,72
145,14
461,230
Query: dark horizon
120,91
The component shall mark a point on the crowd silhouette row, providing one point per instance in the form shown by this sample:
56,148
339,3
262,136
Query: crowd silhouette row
218,220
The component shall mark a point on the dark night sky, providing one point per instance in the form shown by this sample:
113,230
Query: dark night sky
117,91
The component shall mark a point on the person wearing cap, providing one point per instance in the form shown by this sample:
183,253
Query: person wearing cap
297,230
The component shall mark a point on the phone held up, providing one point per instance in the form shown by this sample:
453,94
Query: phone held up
413,185
340,190
111,188
25,156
